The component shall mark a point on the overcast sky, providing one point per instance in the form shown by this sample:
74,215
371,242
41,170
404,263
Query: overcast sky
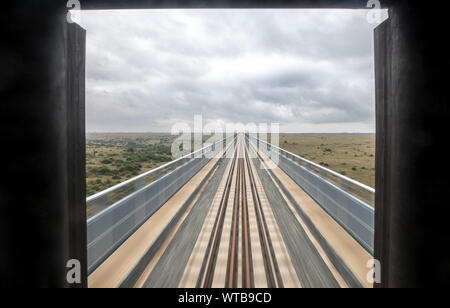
309,70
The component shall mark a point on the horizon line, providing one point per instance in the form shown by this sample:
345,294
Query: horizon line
280,133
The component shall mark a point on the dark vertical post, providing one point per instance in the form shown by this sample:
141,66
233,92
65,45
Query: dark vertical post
42,221
412,211
76,137
382,73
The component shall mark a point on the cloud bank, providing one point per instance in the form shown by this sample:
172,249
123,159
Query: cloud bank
309,70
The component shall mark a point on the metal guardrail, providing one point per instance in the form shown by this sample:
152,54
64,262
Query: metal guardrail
125,207
344,199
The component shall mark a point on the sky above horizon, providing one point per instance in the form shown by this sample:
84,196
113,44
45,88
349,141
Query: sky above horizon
308,70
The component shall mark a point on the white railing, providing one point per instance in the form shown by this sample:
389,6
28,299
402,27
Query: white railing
122,209
349,202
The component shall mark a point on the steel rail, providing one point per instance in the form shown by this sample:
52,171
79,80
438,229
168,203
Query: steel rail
207,272
247,266
232,267
274,279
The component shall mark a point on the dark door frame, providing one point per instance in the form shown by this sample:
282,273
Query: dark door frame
43,122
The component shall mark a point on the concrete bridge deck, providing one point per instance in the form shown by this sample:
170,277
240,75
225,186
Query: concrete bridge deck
240,221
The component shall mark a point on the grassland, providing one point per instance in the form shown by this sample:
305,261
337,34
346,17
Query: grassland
352,155
114,158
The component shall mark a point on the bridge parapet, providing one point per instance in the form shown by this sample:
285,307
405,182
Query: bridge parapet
349,202
122,209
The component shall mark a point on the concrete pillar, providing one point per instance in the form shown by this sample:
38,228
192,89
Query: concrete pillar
412,171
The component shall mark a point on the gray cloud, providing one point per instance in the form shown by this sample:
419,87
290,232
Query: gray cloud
309,70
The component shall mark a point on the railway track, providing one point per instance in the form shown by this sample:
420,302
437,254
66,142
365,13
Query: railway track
239,270
206,275
238,229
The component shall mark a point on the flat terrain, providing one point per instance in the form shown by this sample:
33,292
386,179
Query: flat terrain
352,155
112,158
116,157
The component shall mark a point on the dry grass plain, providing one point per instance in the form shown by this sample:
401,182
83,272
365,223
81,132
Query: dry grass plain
352,155
112,158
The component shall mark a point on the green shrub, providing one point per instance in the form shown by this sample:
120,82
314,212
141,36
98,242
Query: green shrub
96,171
